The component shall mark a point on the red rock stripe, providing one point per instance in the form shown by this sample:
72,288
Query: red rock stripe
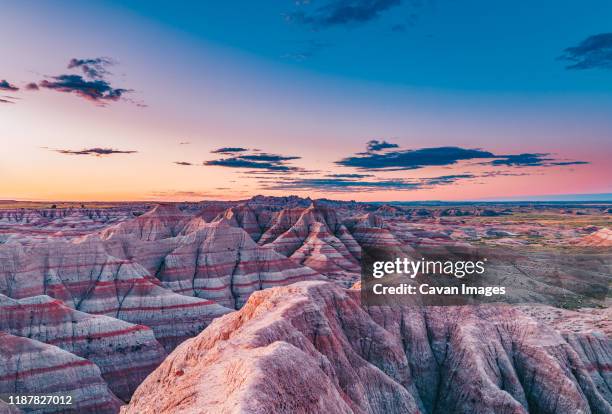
26,307
601,368
98,335
154,308
264,282
68,266
246,266
43,370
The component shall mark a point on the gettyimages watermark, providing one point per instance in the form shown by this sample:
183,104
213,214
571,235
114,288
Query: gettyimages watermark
462,275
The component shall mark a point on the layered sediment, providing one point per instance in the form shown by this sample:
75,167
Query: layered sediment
311,347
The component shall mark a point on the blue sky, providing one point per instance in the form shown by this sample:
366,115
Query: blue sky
504,46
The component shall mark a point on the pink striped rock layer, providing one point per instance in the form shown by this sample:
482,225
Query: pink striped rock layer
125,353
86,278
310,347
29,367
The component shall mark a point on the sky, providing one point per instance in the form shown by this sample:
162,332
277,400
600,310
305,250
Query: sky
371,100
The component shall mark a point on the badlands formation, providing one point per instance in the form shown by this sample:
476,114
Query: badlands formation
310,347
247,307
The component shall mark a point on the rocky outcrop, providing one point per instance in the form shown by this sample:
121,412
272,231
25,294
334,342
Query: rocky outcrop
125,353
217,261
599,238
29,367
316,238
370,231
31,225
222,263
165,220
244,217
311,347
281,222
86,278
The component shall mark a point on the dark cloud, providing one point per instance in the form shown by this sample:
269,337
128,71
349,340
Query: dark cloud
445,179
98,152
267,157
349,175
256,161
95,68
98,91
376,145
182,163
6,101
594,52
93,87
412,159
31,86
228,150
343,12
532,160
562,163
6,86
490,174
522,160
359,185
399,160
273,174
242,163
184,143
341,185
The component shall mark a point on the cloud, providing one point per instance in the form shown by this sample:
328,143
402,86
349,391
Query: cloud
341,185
412,159
445,179
238,162
399,160
562,163
183,163
490,174
228,150
6,86
531,160
349,175
6,101
93,87
521,160
99,91
359,185
31,86
95,68
594,52
98,152
376,145
259,161
184,143
343,12
267,157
